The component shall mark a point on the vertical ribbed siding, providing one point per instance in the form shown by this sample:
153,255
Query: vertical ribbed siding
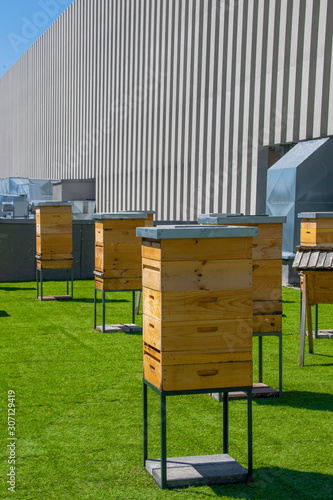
168,103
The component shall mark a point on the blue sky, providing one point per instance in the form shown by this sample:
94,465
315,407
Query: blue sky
21,23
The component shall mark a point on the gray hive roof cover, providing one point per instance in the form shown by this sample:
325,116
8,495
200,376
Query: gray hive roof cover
313,259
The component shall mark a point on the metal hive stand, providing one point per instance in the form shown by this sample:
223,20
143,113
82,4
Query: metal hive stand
126,327
206,469
39,280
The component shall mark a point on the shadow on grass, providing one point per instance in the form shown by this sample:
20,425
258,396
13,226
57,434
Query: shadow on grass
15,288
4,314
276,483
99,301
303,400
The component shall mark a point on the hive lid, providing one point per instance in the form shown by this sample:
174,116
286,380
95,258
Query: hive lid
52,203
195,231
147,212
122,215
315,215
240,219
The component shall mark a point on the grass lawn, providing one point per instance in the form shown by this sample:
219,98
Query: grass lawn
78,398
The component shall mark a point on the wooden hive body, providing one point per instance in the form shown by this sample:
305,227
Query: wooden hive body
317,232
54,242
118,251
267,270
197,313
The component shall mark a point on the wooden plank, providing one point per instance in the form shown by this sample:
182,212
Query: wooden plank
266,230
121,223
267,249
320,287
203,357
267,279
198,305
151,249
324,237
321,259
326,223
118,256
314,259
55,222
305,260
308,233
267,307
328,260
268,323
118,283
55,243
298,258
55,256
206,376
197,275
152,371
123,273
223,335
151,351
54,209
55,264
196,249
111,236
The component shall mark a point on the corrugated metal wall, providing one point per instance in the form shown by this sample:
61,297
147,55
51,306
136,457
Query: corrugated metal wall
168,102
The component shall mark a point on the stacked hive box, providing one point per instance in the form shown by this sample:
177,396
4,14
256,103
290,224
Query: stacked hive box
267,266
314,260
316,254
54,247
118,250
197,306
316,229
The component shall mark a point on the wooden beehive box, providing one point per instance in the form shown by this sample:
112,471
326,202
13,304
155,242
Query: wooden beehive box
54,245
118,250
316,229
197,306
267,266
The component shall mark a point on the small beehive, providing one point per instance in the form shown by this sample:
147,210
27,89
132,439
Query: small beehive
54,247
316,229
118,250
267,266
197,306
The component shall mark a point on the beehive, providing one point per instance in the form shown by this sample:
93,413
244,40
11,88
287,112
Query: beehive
118,250
316,229
197,306
54,247
267,266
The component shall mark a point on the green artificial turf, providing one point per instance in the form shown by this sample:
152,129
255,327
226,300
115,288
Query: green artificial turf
78,398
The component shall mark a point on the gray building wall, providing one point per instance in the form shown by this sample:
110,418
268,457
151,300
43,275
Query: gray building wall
18,251
168,103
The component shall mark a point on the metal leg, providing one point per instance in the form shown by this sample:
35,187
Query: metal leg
95,297
225,423
67,282
310,332
103,305
303,325
316,321
72,282
41,284
145,425
163,442
260,358
249,430
280,365
138,299
37,281
133,307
